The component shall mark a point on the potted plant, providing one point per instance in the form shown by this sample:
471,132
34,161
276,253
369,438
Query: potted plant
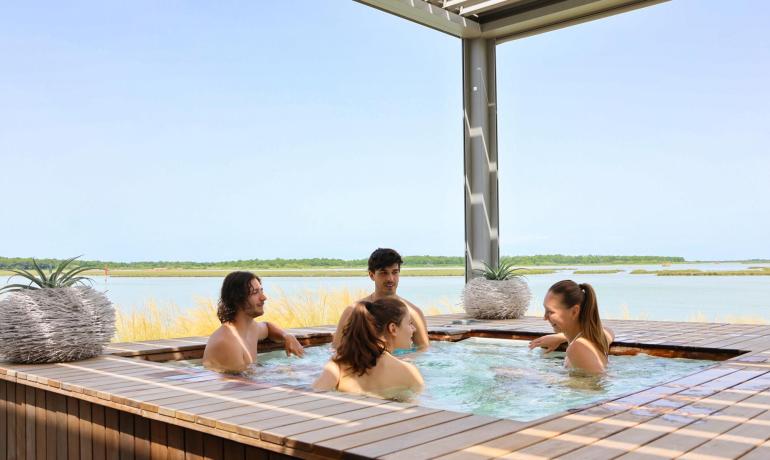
499,293
55,317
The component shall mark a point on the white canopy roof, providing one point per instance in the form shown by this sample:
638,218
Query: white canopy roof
503,20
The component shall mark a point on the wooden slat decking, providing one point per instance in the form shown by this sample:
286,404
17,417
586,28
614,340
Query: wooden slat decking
145,409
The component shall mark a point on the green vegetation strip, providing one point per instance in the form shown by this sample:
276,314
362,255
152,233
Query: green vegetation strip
276,273
361,271
702,272
324,263
183,273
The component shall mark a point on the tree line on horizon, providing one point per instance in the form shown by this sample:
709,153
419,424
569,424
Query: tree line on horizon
409,261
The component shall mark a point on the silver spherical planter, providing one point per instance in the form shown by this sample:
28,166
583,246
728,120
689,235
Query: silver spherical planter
54,324
496,299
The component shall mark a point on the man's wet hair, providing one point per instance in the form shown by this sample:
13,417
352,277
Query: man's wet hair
384,257
236,289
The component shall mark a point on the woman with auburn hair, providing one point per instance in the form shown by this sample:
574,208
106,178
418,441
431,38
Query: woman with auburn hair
363,362
573,312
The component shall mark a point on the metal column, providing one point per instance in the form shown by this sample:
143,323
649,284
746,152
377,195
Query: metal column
480,147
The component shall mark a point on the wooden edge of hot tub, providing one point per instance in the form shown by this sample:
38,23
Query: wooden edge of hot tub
192,347
446,434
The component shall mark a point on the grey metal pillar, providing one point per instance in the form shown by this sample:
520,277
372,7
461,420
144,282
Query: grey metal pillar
480,120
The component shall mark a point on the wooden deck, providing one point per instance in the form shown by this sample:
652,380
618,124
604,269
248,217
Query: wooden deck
118,407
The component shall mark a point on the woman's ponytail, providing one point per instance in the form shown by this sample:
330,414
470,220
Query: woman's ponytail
589,319
361,343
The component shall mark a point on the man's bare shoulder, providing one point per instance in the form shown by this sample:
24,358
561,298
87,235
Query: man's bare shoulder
341,324
223,332
223,351
347,311
410,304
260,329
223,337
368,298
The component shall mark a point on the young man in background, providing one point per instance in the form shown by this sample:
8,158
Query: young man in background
385,270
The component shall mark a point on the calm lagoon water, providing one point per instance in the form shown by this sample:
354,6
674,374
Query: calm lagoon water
621,295
499,378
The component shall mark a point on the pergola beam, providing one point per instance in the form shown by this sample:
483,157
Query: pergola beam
557,15
485,6
457,5
503,20
428,15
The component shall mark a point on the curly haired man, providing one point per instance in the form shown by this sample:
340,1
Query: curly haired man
233,347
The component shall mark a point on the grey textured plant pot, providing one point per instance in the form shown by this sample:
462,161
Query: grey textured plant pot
55,324
496,299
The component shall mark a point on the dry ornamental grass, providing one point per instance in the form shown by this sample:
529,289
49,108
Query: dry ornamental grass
308,308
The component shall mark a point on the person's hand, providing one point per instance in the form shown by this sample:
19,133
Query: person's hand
292,346
549,342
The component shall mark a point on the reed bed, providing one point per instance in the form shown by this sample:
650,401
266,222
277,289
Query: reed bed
305,309
699,317
152,321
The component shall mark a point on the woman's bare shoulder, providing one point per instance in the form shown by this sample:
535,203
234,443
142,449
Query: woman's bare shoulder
409,373
582,345
585,355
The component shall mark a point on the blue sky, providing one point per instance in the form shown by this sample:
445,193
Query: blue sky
195,131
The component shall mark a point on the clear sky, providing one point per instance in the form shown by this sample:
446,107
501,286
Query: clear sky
202,131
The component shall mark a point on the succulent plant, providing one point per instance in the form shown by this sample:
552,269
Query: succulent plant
503,271
58,276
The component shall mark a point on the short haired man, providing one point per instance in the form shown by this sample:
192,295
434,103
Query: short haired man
233,347
385,270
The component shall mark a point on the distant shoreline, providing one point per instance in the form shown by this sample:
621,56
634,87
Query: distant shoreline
413,266
405,271
283,273
428,262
